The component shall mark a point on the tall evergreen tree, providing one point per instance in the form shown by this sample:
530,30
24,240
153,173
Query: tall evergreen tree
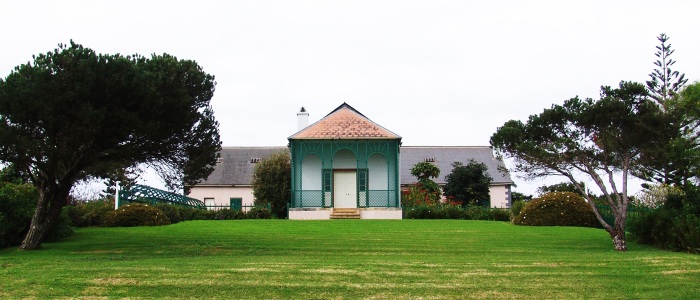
664,82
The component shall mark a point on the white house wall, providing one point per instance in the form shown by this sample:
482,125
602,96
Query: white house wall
344,159
311,170
499,196
222,195
378,172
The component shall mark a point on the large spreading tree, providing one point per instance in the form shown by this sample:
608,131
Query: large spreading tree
603,139
74,114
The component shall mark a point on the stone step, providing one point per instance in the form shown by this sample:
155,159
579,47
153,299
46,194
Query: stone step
345,213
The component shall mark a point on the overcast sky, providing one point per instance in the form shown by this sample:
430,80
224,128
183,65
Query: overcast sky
438,73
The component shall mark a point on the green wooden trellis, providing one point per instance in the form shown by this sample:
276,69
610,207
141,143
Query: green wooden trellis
147,195
363,149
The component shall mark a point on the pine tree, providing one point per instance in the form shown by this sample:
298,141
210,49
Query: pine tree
664,82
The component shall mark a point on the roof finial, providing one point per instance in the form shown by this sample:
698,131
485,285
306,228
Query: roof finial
302,109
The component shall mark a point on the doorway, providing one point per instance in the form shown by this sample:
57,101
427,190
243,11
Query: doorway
345,189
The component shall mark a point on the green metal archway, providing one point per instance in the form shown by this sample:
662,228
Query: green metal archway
147,195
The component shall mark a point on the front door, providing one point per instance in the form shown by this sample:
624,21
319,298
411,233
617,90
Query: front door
344,189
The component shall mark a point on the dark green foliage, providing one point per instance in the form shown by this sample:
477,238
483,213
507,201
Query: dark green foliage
272,182
517,207
12,175
563,187
424,171
458,213
468,184
674,226
182,213
73,114
515,196
664,82
171,211
557,209
137,214
609,137
89,213
17,204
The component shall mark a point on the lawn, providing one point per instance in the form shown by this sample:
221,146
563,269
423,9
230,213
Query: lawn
377,259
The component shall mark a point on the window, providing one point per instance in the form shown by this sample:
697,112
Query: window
430,159
208,201
255,160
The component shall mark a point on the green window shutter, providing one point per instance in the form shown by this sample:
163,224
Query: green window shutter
327,179
236,203
361,179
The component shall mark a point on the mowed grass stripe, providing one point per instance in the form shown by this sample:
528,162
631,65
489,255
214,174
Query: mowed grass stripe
377,259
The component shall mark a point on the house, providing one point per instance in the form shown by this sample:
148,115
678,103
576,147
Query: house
345,165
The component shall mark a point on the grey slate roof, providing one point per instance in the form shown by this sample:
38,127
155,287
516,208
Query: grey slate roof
445,156
235,167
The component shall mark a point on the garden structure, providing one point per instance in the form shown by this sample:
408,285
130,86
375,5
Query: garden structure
137,193
345,166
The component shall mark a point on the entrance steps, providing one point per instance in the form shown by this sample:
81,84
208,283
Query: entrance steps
345,213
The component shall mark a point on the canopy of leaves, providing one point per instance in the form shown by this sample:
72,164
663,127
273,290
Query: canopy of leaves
562,187
74,114
272,182
607,136
425,170
468,184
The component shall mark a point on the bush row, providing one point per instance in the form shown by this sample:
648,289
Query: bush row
457,212
17,206
675,225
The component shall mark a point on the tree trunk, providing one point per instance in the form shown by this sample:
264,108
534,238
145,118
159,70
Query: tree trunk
48,209
618,236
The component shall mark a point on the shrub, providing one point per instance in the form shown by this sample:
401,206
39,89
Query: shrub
458,213
557,209
90,213
417,195
260,213
516,207
136,214
171,211
17,206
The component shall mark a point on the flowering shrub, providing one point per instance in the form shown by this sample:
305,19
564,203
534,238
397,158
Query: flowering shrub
416,195
557,209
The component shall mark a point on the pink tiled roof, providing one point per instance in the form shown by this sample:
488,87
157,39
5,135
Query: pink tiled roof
344,123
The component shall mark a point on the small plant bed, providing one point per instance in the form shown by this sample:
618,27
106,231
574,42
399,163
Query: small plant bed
346,259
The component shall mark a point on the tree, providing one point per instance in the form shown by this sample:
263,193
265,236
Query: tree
678,161
73,114
469,184
424,171
272,182
599,139
664,83
562,187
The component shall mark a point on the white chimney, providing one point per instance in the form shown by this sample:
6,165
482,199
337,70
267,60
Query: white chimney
303,118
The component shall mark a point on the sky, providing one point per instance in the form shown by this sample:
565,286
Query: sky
437,73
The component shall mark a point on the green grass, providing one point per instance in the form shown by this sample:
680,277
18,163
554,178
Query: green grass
379,259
